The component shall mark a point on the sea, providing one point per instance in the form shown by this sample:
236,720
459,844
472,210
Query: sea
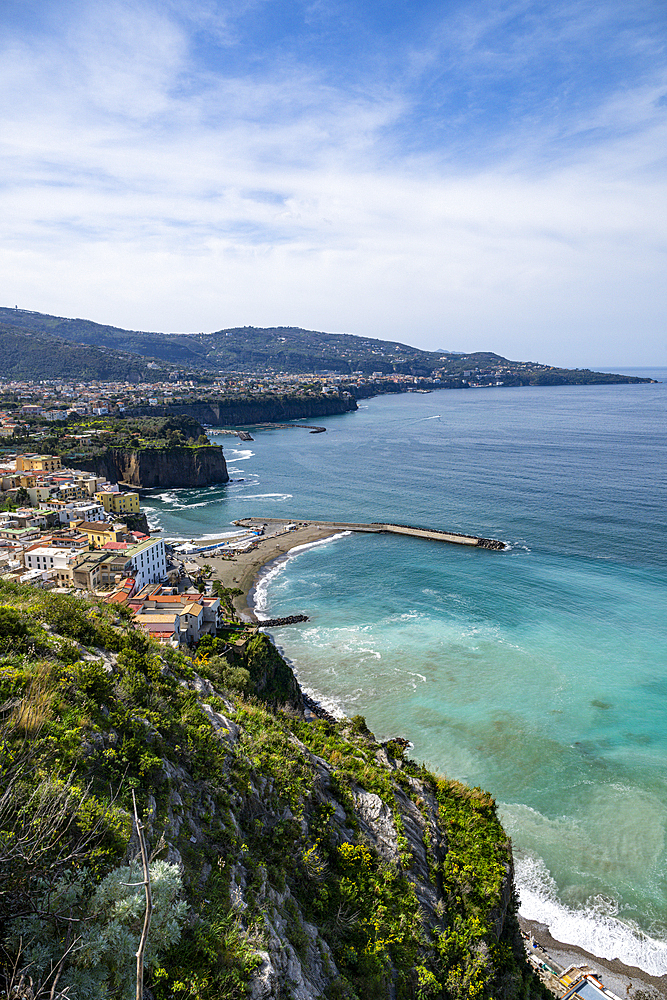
539,672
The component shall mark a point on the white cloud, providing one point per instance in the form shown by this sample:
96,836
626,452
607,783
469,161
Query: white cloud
142,192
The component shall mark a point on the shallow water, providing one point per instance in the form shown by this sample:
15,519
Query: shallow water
539,673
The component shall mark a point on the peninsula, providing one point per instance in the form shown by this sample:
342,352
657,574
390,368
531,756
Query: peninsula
38,345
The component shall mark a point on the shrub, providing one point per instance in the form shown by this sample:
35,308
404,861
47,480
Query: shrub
69,616
225,675
107,924
13,628
359,726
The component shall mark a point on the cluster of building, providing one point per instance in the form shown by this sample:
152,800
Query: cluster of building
70,538
46,482
59,400
173,618
69,534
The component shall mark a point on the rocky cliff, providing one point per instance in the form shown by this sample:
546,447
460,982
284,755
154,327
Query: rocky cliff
235,410
311,861
161,467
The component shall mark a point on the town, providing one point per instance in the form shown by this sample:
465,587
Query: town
67,530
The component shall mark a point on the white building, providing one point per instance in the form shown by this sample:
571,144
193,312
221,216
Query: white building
76,510
86,512
149,562
56,562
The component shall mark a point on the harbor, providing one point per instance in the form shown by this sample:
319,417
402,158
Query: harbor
237,559
433,534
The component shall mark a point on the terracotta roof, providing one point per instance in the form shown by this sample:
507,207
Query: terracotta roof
192,609
151,616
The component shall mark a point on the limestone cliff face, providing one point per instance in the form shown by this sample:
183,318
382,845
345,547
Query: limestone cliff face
254,410
347,870
167,467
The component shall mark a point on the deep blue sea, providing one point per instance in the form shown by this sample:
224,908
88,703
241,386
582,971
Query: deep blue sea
539,673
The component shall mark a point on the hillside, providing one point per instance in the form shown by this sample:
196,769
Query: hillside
287,349
177,350
293,350
32,354
290,858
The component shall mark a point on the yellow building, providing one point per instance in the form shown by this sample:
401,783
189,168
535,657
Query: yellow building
99,532
119,503
38,463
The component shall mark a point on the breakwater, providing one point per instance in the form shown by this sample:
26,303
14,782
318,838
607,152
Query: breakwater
434,534
289,620
313,428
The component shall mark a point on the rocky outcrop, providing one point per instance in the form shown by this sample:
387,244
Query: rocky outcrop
301,869
137,522
233,411
315,861
161,467
271,677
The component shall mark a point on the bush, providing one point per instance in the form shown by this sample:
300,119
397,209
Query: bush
359,726
69,616
108,923
225,675
13,628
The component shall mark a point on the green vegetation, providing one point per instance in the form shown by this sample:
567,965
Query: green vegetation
250,349
33,354
261,826
87,437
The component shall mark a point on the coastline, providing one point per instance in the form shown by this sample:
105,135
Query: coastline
243,568
242,571
621,979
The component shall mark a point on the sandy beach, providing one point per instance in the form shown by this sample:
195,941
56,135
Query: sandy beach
242,567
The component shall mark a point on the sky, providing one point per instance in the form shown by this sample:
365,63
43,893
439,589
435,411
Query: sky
453,175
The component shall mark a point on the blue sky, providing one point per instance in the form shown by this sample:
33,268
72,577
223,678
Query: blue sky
458,175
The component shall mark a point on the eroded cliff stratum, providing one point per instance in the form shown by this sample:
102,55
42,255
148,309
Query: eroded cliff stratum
161,467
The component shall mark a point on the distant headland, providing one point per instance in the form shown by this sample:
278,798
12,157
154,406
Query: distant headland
40,346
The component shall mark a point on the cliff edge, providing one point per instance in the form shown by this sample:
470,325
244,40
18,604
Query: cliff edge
197,465
234,410
293,856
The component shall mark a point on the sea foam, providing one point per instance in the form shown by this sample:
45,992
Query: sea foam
595,927
258,595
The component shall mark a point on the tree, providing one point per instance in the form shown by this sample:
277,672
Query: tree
226,595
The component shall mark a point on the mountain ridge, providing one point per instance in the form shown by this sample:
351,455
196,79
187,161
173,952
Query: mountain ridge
284,349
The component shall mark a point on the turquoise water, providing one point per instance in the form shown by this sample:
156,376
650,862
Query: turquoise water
539,673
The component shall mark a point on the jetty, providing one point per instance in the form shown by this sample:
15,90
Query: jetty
247,436
376,527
